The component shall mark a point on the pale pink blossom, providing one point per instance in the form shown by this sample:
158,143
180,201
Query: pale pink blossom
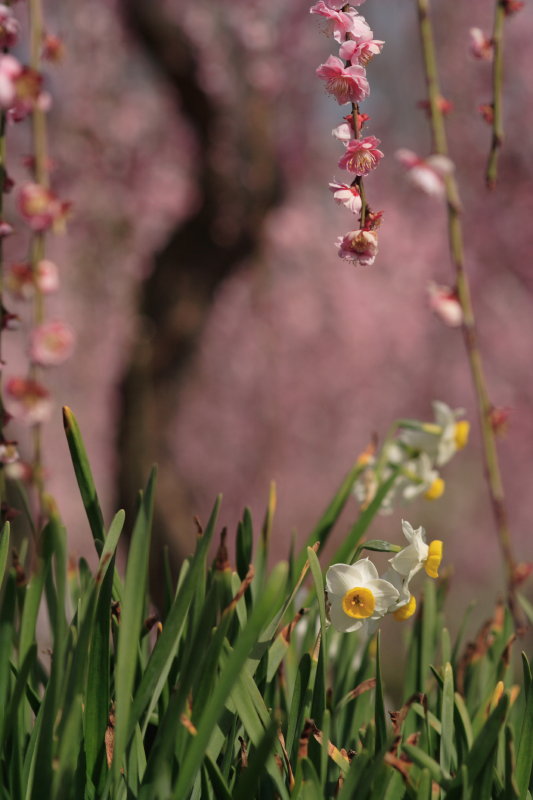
360,51
346,84
9,27
10,68
343,132
5,229
361,155
444,302
20,88
360,247
427,174
47,276
41,208
480,45
346,195
51,343
340,24
28,400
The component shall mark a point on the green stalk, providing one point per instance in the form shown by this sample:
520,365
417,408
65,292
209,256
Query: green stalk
455,235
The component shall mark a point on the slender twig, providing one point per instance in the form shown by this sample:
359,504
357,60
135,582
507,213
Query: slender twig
40,156
497,89
2,184
359,180
455,234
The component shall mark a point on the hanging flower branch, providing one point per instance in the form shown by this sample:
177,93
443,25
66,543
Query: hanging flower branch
346,80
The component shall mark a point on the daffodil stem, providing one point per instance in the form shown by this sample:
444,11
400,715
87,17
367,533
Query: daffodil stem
455,235
497,91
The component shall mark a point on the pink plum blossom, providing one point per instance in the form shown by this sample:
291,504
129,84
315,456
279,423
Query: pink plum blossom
21,280
5,229
53,48
444,302
20,88
346,84
343,132
41,208
427,174
342,23
51,343
480,45
28,400
360,51
361,155
360,247
9,27
346,195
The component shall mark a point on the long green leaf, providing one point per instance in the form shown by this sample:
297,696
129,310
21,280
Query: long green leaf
83,474
524,750
4,549
131,619
447,712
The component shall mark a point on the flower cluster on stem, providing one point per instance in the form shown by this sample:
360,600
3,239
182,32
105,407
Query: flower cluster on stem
358,598
346,80
37,207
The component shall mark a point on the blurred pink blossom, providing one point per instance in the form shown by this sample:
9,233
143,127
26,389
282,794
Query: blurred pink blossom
41,208
9,453
21,282
9,27
343,132
51,343
361,155
444,302
346,195
480,45
346,84
53,48
360,247
28,400
428,173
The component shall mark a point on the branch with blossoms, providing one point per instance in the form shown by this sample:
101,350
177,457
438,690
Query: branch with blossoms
491,49
346,80
50,342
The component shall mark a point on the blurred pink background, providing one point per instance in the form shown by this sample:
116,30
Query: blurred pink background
303,356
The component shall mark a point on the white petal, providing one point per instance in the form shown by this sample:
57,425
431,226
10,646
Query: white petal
407,562
408,530
401,583
340,578
385,595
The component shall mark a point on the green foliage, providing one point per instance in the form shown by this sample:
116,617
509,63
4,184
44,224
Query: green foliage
238,692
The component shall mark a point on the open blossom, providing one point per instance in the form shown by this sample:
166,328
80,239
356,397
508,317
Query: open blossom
480,46
9,27
346,84
360,51
361,155
346,195
51,343
41,208
418,554
444,302
427,174
21,281
342,23
28,400
356,595
360,247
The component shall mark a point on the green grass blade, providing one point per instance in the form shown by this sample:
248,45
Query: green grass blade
264,608
249,777
7,614
83,474
352,778
4,549
524,749
447,749
379,708
131,619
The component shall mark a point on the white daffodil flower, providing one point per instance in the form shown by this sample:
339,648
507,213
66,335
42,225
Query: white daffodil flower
357,596
441,439
419,477
417,554
405,606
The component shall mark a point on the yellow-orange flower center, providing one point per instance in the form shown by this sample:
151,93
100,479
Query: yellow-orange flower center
405,611
435,490
461,432
359,603
434,558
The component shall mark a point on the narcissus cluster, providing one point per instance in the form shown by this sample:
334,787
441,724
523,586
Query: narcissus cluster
358,598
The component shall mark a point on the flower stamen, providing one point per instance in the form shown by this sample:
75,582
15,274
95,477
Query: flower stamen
406,611
434,558
359,603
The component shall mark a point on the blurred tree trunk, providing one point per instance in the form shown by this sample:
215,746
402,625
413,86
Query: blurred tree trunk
238,181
